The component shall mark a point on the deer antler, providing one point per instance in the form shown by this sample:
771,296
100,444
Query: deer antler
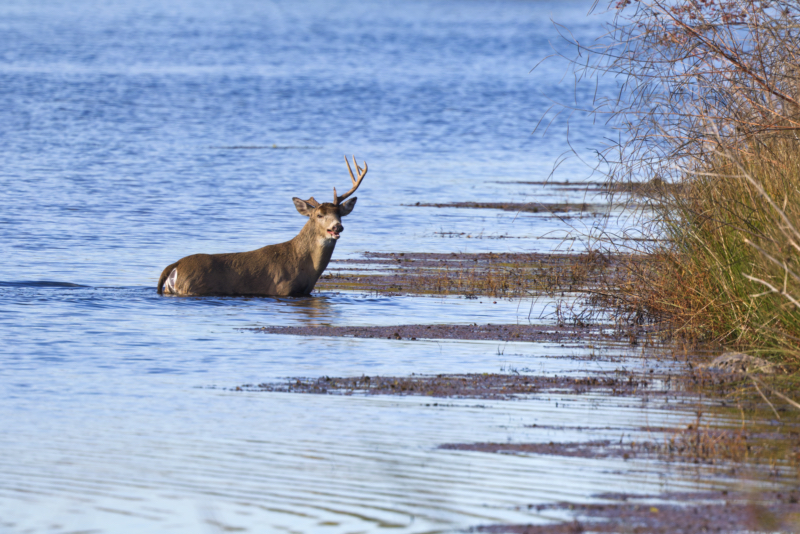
313,202
361,175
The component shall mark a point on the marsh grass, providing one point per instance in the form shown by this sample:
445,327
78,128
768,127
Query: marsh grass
733,257
708,114
726,270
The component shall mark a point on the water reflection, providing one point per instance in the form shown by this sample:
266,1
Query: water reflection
313,311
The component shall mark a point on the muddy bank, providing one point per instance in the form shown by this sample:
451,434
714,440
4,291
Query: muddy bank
486,332
495,275
474,386
679,513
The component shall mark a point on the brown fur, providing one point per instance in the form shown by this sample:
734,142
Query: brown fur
286,269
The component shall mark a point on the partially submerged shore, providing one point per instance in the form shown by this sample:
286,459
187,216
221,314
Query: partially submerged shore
767,438
759,451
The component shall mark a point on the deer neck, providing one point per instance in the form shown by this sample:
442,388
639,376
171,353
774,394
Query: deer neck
310,247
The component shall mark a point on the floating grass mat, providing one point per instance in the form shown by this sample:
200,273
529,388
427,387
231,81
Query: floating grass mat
473,275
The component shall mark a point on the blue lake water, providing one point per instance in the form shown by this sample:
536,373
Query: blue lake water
135,133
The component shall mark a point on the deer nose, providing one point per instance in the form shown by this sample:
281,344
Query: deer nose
338,228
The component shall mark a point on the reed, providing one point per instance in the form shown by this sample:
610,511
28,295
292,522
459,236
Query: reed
708,112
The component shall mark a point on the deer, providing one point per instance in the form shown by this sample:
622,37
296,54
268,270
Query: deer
287,269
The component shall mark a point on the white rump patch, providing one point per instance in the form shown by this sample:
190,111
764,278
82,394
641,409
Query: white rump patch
172,281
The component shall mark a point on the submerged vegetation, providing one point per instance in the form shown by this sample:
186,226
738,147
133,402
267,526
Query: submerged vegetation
708,110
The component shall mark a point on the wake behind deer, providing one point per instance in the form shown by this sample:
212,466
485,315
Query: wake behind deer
286,269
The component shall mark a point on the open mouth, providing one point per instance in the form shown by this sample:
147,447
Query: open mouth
333,234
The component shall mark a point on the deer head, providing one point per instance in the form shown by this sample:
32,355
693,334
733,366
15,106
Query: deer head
327,217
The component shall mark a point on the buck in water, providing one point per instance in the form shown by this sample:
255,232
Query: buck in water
286,269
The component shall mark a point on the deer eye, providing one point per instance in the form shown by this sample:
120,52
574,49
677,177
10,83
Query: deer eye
319,216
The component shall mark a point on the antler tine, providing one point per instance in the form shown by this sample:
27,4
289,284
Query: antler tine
360,174
352,178
356,183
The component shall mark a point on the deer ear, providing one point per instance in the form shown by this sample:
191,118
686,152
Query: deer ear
347,206
303,207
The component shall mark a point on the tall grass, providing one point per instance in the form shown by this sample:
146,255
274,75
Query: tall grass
708,111
727,271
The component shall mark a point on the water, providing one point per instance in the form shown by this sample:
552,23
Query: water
119,126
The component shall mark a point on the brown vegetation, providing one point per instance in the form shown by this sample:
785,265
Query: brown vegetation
710,104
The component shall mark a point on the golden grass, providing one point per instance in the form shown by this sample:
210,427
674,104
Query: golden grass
727,272
708,109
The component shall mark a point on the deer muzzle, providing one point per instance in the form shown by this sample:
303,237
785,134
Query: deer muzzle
335,231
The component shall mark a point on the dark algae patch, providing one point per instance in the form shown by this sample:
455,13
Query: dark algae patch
679,513
477,386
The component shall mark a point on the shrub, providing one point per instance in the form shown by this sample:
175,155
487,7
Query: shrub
708,113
